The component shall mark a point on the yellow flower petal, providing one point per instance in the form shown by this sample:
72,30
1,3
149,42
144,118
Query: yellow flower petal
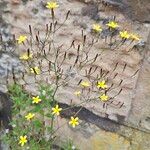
23,140
101,84
26,56
85,84
124,34
104,97
35,70
134,37
21,39
29,116
113,24
77,93
97,28
36,100
52,5
74,121
56,110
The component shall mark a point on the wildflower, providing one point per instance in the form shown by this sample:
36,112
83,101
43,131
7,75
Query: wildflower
23,140
29,116
26,56
134,37
77,93
97,28
56,110
36,100
35,70
113,25
104,97
52,5
101,84
74,121
85,84
21,39
124,34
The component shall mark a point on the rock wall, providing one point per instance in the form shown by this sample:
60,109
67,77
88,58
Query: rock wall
124,122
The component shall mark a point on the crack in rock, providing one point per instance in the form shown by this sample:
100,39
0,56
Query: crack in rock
90,117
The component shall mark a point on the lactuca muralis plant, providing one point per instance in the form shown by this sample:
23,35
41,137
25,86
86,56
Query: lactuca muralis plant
30,130
52,65
29,114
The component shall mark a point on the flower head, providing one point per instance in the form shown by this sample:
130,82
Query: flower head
56,110
97,28
134,37
21,39
104,97
124,34
77,93
85,84
52,5
35,70
112,25
23,140
74,121
102,84
36,100
26,56
29,116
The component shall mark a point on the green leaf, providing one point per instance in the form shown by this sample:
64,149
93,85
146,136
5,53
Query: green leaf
37,124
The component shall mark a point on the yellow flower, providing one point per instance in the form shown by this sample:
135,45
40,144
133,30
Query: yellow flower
35,70
21,39
101,84
85,84
77,93
104,97
124,34
52,5
74,121
134,37
29,116
113,24
23,140
36,100
56,110
26,56
97,28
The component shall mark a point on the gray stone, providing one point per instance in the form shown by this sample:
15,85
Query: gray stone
136,10
140,111
90,11
9,63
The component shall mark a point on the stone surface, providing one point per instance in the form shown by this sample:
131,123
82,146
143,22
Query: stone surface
139,10
9,65
140,112
135,94
134,9
17,15
88,137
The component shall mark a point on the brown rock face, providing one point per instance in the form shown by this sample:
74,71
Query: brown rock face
139,10
136,9
140,111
